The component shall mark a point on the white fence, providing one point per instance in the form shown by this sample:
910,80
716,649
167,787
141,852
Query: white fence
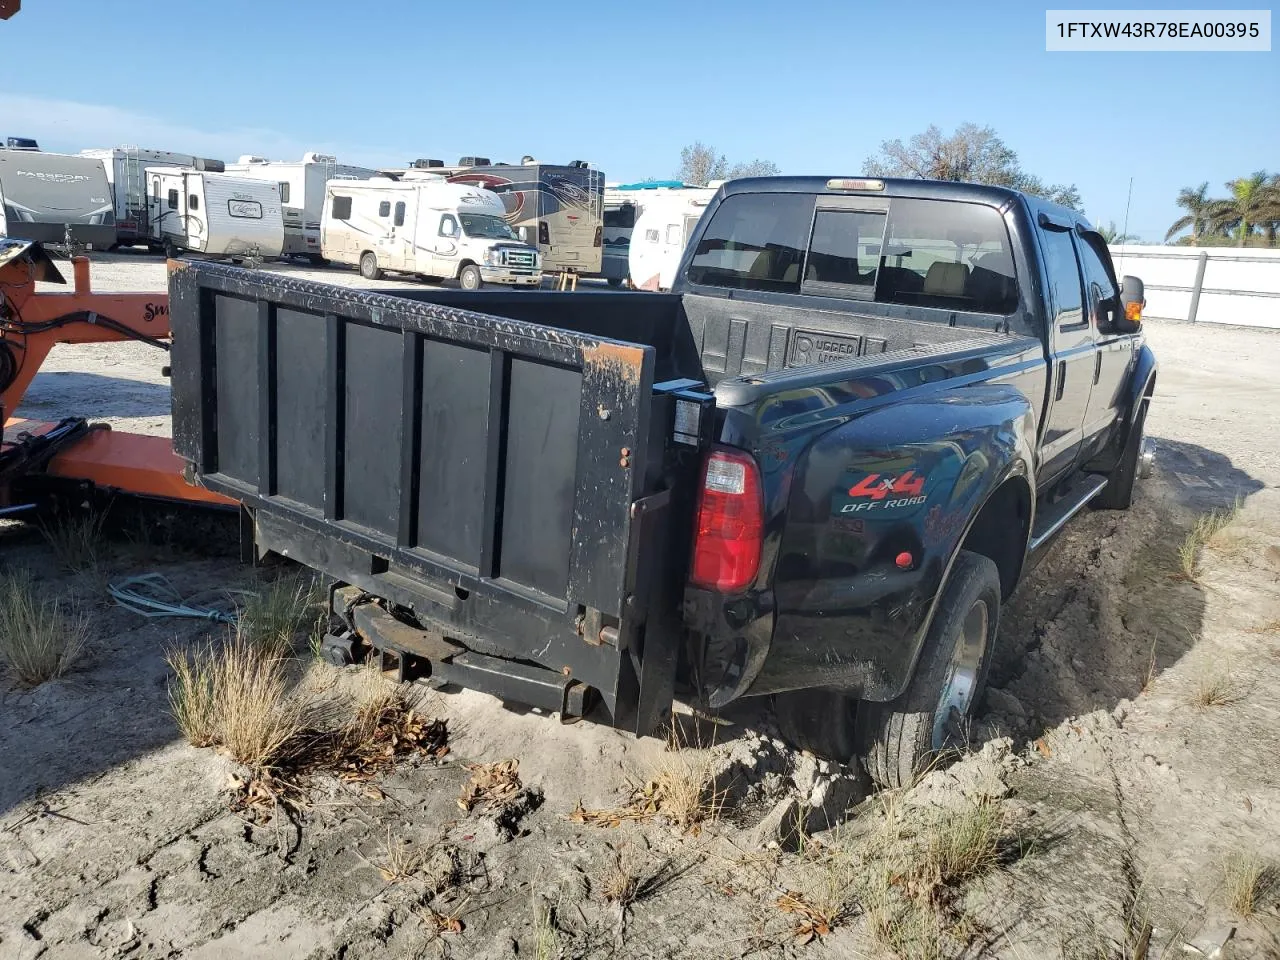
1239,285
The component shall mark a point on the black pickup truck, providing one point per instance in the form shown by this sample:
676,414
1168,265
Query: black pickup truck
813,471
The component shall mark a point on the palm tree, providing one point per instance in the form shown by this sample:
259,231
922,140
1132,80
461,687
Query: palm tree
1196,202
1253,202
1113,236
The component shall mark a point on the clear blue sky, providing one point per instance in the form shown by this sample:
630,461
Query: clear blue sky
814,87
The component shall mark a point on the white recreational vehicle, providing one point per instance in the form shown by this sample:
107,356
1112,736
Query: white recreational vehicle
661,233
556,208
216,214
623,204
301,194
427,227
126,172
53,198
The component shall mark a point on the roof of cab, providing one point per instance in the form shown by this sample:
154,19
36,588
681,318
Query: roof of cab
917,189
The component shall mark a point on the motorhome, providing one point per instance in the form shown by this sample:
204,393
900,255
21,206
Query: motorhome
661,233
55,198
302,185
125,167
216,214
557,208
428,227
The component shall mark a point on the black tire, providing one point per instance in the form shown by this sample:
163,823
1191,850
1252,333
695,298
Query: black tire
171,251
317,260
899,740
469,277
1118,493
369,268
615,282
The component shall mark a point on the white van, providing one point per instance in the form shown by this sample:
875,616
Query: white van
216,214
660,235
302,184
428,227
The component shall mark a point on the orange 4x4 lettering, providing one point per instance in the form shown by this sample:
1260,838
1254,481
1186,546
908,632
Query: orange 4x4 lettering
877,486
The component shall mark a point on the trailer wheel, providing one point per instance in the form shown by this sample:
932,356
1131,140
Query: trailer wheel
317,260
369,266
469,278
614,282
171,250
898,740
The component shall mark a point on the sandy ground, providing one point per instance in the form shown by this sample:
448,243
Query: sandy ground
116,839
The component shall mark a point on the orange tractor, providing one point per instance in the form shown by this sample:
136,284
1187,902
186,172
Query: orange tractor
38,458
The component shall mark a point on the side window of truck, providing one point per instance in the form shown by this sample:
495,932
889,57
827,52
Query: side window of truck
755,241
1103,293
341,208
448,226
947,254
1064,277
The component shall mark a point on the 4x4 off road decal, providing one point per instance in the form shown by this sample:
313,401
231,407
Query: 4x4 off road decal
877,491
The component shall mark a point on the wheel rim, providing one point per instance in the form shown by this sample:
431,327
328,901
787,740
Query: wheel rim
368,265
469,280
961,684
1146,452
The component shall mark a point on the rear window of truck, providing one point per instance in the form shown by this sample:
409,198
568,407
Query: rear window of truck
926,253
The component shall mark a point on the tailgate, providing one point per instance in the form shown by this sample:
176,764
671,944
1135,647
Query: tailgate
483,471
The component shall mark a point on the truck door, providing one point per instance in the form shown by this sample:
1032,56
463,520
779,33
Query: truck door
385,245
1114,350
401,238
444,239
1073,356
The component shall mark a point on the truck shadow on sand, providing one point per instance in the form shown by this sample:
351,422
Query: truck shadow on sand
1113,604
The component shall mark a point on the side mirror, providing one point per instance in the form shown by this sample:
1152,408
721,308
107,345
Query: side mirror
1132,300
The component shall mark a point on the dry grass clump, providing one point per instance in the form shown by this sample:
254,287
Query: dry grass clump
235,696
909,875
37,640
1216,688
1206,528
75,539
1248,882
680,788
274,616
398,860
622,877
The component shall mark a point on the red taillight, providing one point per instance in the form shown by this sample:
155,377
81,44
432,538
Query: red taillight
544,233
730,530
599,235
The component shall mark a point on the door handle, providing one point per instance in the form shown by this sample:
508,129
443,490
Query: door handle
1097,367
1062,380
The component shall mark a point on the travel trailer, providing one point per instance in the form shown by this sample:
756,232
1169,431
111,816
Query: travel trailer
301,194
428,227
126,172
661,233
623,204
217,214
55,198
557,208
